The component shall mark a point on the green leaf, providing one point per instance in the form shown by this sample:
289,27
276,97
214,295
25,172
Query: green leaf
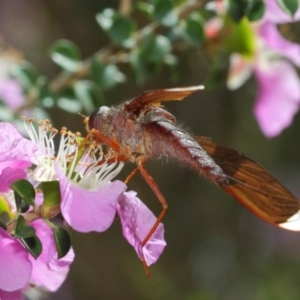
106,76
25,190
255,10
51,192
154,47
3,225
5,207
83,92
66,54
118,27
33,246
69,103
22,229
241,38
164,13
45,96
289,6
62,241
89,94
26,74
236,9
193,32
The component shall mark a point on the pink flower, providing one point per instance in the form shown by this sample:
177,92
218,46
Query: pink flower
11,93
15,265
275,14
137,220
278,98
15,149
49,271
89,197
19,268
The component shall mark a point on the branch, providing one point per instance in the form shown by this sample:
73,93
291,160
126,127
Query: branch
66,79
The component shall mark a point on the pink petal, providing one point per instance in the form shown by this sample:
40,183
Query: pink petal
8,176
11,93
48,271
15,265
278,97
16,164
16,295
13,147
275,14
137,220
275,41
89,210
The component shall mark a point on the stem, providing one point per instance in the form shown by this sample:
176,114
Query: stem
29,217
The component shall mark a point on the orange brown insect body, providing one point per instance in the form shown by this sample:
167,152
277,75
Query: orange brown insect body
140,129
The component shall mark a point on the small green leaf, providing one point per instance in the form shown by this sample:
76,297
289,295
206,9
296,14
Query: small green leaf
69,103
106,76
89,94
22,229
66,54
24,207
241,38
164,13
45,96
25,190
193,32
154,47
26,74
236,9
255,10
3,225
33,245
62,241
289,6
118,27
51,192
5,207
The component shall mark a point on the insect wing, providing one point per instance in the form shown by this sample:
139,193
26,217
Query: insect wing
254,187
155,97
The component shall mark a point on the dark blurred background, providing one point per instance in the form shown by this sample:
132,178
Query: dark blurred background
216,248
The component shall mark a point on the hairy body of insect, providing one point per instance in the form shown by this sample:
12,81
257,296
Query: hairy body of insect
140,129
153,132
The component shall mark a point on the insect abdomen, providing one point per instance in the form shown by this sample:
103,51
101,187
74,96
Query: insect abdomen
165,138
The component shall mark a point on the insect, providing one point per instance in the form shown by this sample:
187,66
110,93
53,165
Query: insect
140,129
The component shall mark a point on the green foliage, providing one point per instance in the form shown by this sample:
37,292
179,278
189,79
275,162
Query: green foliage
26,74
33,245
152,52
289,6
22,229
3,225
191,29
118,27
51,192
25,190
62,241
252,9
241,38
106,76
66,55
163,11
88,94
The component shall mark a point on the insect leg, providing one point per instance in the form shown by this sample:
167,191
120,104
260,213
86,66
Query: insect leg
160,198
102,138
130,176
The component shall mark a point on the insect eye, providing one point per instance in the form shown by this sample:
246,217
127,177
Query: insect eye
98,118
93,119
